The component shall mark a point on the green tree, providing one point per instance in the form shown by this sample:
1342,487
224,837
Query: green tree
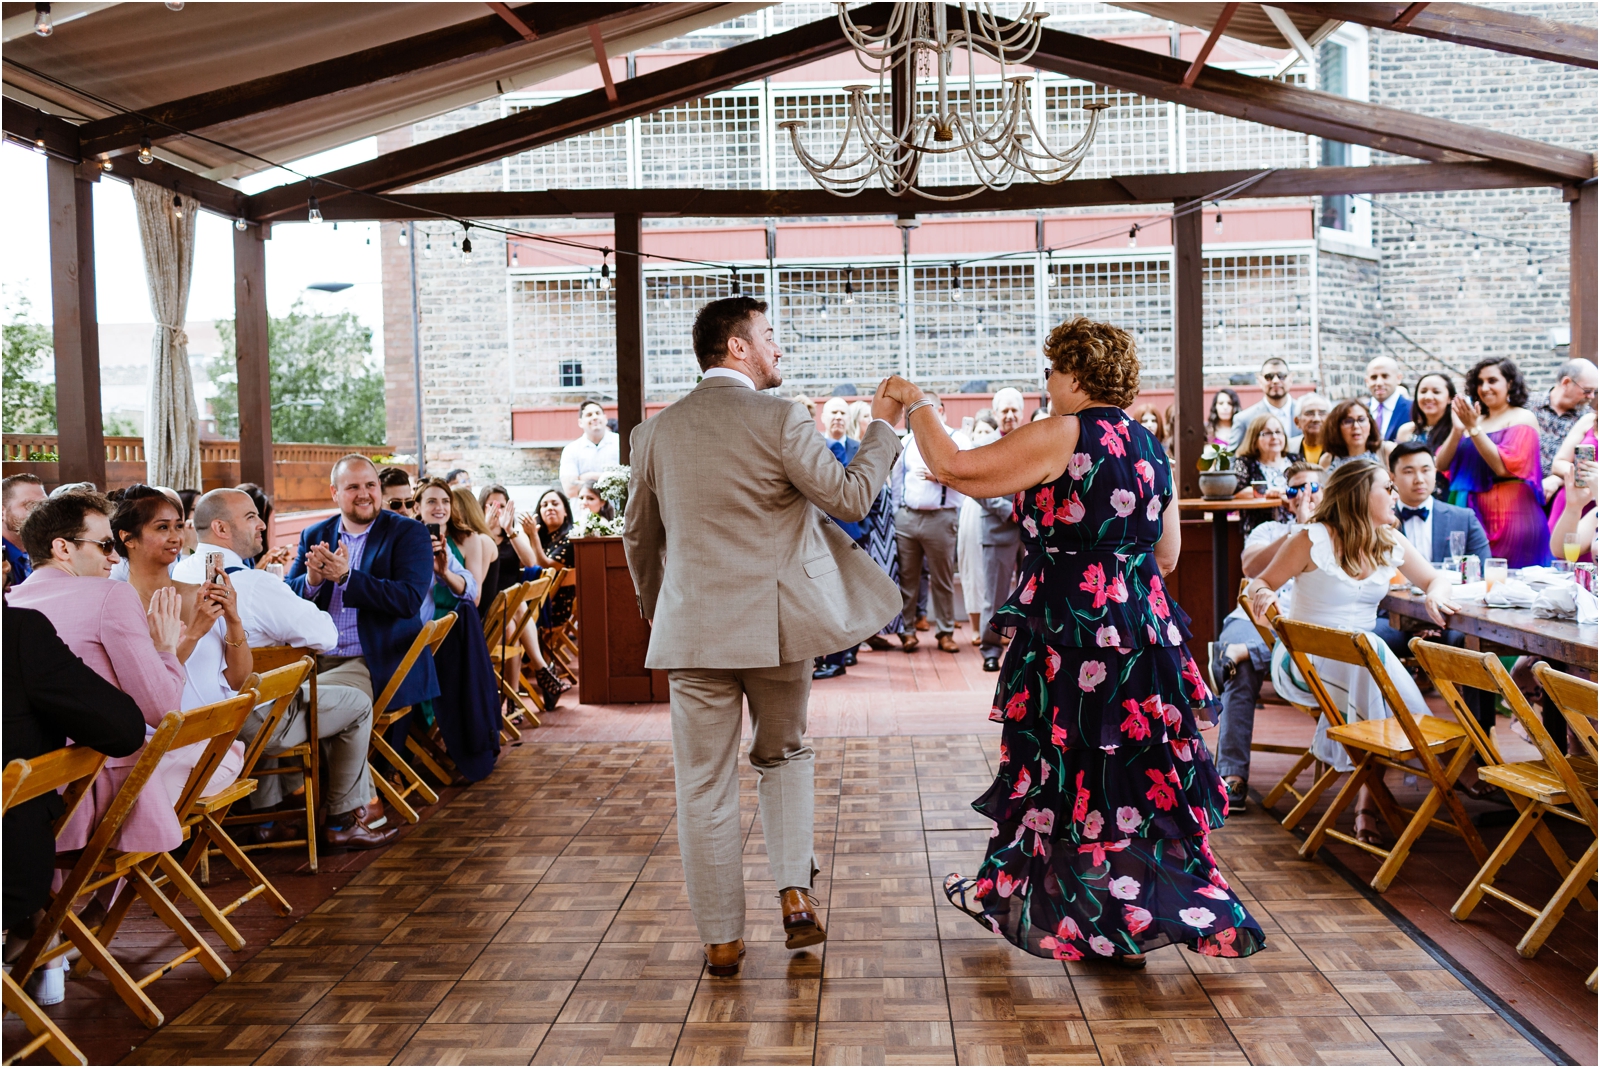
322,387
29,405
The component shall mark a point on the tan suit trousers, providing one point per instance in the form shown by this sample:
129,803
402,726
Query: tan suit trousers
707,716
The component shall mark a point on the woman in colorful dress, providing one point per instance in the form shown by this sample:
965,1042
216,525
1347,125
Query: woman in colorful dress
1496,470
1106,796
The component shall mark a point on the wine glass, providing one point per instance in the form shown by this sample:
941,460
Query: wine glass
1458,542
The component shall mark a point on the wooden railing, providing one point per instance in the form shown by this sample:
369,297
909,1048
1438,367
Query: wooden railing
300,471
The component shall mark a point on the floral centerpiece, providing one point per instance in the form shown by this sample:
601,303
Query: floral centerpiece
612,487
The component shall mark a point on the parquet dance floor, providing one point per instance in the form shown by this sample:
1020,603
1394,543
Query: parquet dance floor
540,918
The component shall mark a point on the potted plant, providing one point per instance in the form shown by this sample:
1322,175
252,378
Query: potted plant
1217,480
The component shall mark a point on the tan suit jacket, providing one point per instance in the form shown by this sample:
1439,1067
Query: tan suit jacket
729,543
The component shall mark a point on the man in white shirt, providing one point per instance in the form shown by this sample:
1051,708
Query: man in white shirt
597,449
273,614
1274,380
1390,408
925,529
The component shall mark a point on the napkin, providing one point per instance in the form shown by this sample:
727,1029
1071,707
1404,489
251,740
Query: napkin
1469,592
1567,601
1510,594
1542,576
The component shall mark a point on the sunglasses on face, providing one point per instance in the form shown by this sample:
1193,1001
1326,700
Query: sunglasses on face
1294,491
399,504
1274,376
108,546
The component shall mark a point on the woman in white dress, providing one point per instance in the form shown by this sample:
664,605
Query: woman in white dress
969,541
1342,564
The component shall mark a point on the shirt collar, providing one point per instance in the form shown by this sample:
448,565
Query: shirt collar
728,372
229,557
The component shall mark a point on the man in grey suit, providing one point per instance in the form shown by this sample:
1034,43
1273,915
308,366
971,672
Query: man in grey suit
745,579
1002,557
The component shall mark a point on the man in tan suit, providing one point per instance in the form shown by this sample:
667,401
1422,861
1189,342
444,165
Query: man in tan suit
745,579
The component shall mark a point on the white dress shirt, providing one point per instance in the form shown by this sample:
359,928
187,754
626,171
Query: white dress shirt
272,613
921,494
1419,532
584,457
1381,412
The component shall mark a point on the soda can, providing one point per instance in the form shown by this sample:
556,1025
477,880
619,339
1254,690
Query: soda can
1471,569
1585,574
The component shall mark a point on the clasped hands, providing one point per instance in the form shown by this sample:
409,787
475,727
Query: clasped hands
325,565
893,397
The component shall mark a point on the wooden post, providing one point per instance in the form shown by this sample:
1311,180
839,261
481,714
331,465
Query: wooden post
630,327
1585,276
80,436
250,354
1188,357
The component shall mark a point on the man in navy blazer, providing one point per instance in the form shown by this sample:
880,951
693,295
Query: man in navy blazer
1390,408
370,569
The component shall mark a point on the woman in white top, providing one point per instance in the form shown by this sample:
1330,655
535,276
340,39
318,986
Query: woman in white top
969,538
1342,564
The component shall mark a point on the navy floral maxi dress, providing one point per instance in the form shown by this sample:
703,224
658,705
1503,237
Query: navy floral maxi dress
1106,795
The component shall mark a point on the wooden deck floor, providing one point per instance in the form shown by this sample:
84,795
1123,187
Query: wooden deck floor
539,917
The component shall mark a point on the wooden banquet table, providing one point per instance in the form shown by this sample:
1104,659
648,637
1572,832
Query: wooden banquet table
1513,629
1223,593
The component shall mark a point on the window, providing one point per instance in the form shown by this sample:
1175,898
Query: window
571,374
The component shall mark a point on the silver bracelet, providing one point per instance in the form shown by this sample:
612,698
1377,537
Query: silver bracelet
923,403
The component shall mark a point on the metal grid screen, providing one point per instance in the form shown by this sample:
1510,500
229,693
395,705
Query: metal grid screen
829,336
1258,306
597,160
670,303
1219,142
988,333
1135,294
1133,134
826,112
560,326
711,143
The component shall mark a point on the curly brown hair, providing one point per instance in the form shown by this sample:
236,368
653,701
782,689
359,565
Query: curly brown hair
1100,356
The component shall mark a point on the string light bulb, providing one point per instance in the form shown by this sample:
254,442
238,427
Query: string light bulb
955,283
43,24
427,248
849,286
1477,251
515,254
313,212
174,5
1219,218
405,240
1133,236
177,206
1050,278
824,313
466,244
240,225
1530,270
105,165
605,271
737,289
145,155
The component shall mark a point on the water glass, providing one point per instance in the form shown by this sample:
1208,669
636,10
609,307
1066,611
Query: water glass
274,569
1495,570
1458,542
1571,547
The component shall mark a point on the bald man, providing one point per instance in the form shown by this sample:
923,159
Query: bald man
1390,408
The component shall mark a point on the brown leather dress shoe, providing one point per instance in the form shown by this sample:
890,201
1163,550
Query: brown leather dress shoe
722,959
368,828
879,642
947,643
909,640
801,924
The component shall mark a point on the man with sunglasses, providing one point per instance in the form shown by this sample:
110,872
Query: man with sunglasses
1240,659
1274,380
396,485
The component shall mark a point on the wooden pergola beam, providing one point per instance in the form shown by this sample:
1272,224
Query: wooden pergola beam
75,326
1198,64
1469,24
1306,111
492,33
571,117
1133,189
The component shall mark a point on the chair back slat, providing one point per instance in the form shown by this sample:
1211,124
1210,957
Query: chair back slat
1289,633
441,631
48,772
277,687
494,619
538,591
217,725
1267,637
1576,698
1450,669
16,774
423,640
265,658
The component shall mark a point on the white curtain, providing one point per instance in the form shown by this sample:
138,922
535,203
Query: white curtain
172,418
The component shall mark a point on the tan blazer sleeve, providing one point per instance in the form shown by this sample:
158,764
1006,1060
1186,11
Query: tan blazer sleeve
845,492
644,536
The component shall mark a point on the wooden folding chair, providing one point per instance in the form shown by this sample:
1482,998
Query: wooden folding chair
1377,744
73,769
1576,698
524,690
208,817
501,642
560,641
99,865
1301,753
1538,788
429,637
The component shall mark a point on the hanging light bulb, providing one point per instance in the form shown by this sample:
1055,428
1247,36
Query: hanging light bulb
824,313
105,165
43,24
466,244
605,273
1530,270
1133,236
1477,251
174,5
177,206
239,225
515,262
313,212
849,287
405,239
955,283
38,140
427,247
734,271
588,283
1219,218
145,155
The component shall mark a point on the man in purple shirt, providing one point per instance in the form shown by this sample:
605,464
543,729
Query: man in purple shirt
370,570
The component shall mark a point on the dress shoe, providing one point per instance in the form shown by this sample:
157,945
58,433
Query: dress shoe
801,924
284,830
849,659
909,641
991,663
879,642
923,624
365,828
827,671
947,643
722,959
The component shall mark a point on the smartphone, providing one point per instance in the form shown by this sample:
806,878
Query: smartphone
436,530
1581,455
214,567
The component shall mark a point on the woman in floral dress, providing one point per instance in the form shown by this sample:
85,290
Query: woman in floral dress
1106,795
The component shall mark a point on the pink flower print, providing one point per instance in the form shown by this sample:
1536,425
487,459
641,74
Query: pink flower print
1042,820
1182,750
1212,892
1102,945
1093,824
1145,472
1135,725
1122,428
1150,633
1158,598
1136,918
1067,930
1060,950
1058,736
1152,511
1128,819
1045,501
1071,510
1006,885
1221,945
1052,664
996,717
982,889
1118,590
1090,675
1017,500
1123,503
1157,709
1005,752
1044,772
1094,581
1109,439
1017,707
1197,918
1160,793
1124,888
1080,805
1176,638
1098,850
1026,596
1191,675
1107,637
1024,784
1079,465
1218,880
1030,526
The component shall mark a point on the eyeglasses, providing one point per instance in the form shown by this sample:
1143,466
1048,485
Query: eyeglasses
1274,376
108,546
1294,491
1354,420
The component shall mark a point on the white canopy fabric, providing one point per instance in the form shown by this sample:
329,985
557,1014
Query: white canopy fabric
1250,23
136,55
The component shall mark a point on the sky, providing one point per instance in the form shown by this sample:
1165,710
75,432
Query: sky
298,254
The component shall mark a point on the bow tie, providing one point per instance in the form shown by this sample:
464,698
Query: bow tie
1408,514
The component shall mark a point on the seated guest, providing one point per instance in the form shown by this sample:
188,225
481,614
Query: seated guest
1495,468
549,532
595,449
1563,405
513,552
134,648
397,493
1430,423
370,570
186,498
119,569
467,709
1277,388
593,502
20,494
1577,517
1349,434
270,554
1261,458
458,476
1241,659
273,614
1310,414
1582,432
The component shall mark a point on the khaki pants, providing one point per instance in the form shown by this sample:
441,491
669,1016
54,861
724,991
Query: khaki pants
707,714
344,724
927,535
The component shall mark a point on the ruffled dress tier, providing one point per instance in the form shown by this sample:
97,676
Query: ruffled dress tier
1106,796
